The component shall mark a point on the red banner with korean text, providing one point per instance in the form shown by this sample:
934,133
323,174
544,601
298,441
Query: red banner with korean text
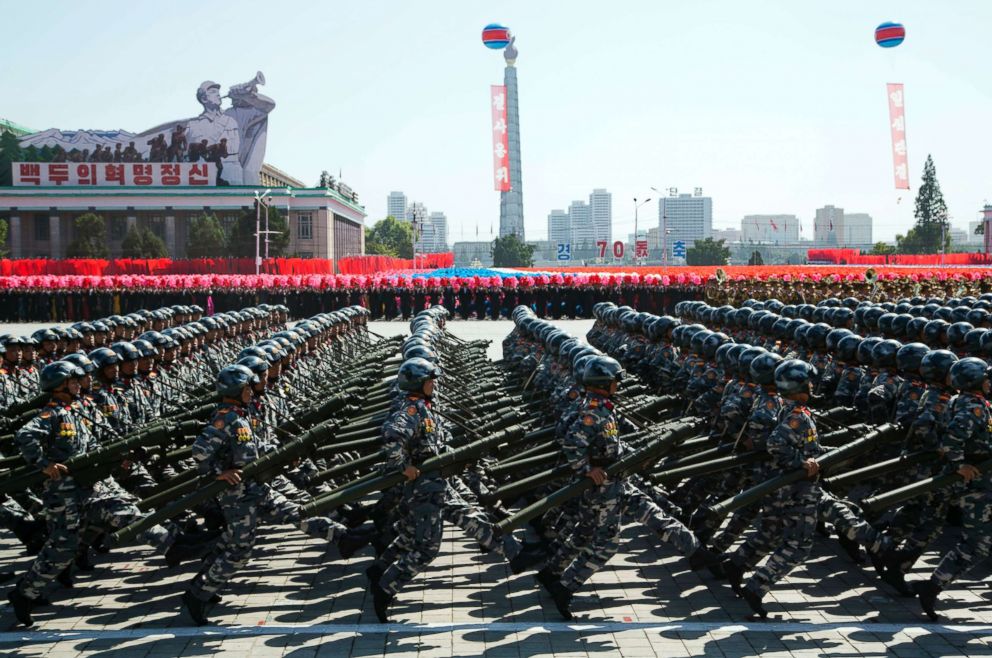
501,140
897,122
108,174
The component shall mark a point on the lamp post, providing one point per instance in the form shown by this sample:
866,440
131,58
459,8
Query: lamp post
259,200
664,229
637,206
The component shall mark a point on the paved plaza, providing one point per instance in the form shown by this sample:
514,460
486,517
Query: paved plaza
297,599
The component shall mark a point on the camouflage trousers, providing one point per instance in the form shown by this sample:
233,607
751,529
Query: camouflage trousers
743,518
976,538
68,508
12,512
243,506
920,521
427,504
849,522
786,532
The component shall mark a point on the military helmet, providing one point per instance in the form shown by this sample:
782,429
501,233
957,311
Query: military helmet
978,317
956,333
726,356
883,354
232,379
914,328
713,342
865,349
126,350
834,337
935,331
973,340
841,317
744,360
419,352
601,371
741,317
57,373
762,368
885,323
968,374
697,339
256,364
936,364
793,376
780,328
909,357
414,373
960,313
985,344
847,348
103,357
871,317
81,361
145,348
44,334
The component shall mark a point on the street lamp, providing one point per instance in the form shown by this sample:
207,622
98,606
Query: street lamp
259,200
637,206
664,230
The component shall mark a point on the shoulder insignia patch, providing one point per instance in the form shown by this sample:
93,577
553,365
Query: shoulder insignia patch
46,414
594,403
794,424
588,420
851,376
977,411
770,404
411,411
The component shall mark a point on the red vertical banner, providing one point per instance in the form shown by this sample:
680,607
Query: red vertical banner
897,123
501,140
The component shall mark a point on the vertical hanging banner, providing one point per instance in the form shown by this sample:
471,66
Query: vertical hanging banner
897,122
501,140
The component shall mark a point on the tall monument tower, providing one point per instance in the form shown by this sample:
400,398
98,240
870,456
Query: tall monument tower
511,202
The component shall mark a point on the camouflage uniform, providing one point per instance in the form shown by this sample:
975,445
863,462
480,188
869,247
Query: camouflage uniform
58,433
848,382
794,509
968,440
229,441
411,436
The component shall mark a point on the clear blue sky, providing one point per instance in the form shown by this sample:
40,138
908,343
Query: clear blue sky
770,107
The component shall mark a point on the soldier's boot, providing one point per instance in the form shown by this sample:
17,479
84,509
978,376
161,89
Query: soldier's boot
22,606
196,608
704,558
852,548
188,547
355,515
894,574
529,557
65,577
354,540
381,599
821,529
927,591
33,534
753,600
735,575
83,561
6,575
562,596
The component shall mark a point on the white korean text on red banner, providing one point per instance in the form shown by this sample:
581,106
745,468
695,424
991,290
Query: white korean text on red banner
501,140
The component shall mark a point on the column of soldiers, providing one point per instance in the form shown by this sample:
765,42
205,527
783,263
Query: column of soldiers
262,372
758,375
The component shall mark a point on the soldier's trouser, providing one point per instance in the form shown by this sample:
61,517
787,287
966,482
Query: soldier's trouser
739,521
798,514
593,539
639,508
763,540
418,537
474,521
976,538
850,523
11,513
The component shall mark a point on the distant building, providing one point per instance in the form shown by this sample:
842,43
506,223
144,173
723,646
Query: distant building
987,222
959,237
974,238
580,217
273,177
396,205
6,125
726,234
466,253
857,229
770,229
559,227
686,217
600,205
434,234
828,226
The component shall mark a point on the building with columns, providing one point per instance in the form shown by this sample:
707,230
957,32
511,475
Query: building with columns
323,222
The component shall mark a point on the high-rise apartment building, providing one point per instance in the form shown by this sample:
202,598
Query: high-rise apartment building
580,216
559,227
396,205
685,217
600,205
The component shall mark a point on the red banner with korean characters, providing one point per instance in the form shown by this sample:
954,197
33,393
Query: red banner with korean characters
897,122
109,174
501,140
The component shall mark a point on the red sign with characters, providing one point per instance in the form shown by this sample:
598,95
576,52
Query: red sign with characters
109,174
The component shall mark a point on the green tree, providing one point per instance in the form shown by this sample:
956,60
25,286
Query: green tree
511,251
756,258
930,212
206,238
141,242
390,237
882,249
707,252
89,237
241,240
3,238
10,152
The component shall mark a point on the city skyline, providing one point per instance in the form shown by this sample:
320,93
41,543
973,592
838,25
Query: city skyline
808,121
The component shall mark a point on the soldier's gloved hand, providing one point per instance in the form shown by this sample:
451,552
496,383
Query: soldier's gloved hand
411,473
812,467
597,475
232,476
968,472
56,471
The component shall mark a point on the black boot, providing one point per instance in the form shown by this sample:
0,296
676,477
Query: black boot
528,558
852,548
6,575
83,561
22,606
381,599
735,575
65,577
355,516
355,540
927,591
562,597
704,558
197,609
754,602
33,534
893,571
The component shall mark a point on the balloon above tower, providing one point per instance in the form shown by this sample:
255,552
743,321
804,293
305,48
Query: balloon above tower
889,34
495,36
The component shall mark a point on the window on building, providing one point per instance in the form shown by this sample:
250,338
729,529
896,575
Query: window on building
41,229
304,254
118,228
304,226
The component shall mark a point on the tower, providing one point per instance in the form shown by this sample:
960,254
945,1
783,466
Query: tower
511,202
